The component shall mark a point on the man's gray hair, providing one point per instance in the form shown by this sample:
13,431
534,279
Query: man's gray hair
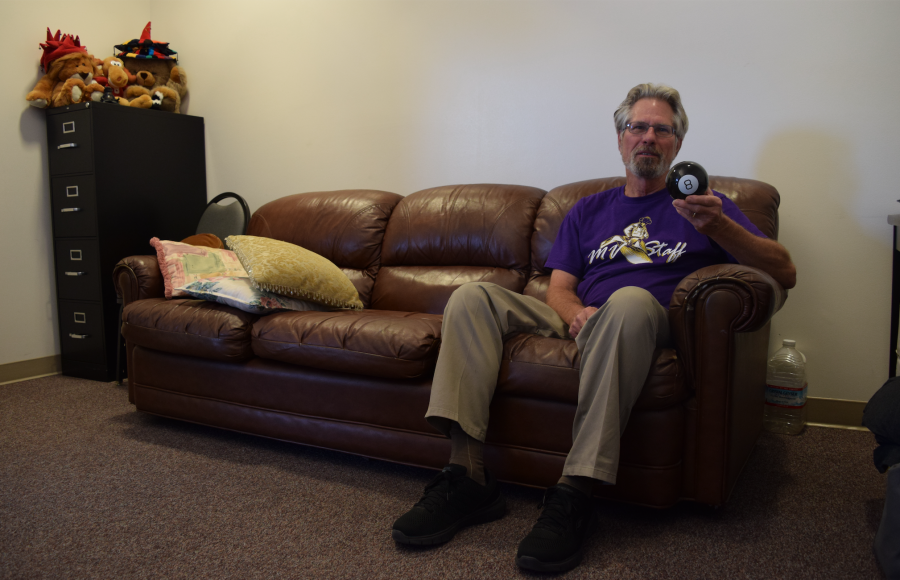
652,91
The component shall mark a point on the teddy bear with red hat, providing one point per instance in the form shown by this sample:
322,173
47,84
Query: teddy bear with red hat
156,71
69,74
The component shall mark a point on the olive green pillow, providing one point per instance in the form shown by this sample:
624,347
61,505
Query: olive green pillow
289,270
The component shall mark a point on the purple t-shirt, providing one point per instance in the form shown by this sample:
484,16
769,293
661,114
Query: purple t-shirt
610,241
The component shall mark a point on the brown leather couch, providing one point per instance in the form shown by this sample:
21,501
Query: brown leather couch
358,381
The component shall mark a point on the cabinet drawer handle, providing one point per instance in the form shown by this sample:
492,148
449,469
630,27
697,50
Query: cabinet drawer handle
75,273
78,336
67,146
69,209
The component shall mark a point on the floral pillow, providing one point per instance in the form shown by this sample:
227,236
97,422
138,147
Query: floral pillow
182,264
239,292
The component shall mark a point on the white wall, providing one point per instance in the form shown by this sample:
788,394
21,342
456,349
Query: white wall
329,94
28,294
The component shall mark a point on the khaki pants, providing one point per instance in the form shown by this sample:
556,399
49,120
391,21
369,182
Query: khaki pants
616,346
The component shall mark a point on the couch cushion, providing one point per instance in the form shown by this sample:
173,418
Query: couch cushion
538,367
438,239
387,344
189,327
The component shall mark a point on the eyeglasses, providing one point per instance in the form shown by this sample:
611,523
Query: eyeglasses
661,131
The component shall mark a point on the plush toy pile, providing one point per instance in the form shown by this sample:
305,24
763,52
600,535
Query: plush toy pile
142,73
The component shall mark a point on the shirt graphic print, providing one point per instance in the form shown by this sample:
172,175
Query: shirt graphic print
634,247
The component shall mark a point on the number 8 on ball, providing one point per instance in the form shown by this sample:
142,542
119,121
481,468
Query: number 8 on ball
687,178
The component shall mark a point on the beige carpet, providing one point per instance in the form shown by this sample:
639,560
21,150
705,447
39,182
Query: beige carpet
89,488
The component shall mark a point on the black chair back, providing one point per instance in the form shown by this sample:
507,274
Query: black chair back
225,219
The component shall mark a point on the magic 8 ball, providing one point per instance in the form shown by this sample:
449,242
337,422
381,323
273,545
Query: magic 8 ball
686,178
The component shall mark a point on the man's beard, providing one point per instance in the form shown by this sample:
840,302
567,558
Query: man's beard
648,167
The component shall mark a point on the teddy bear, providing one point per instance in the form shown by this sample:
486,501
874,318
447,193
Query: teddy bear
69,74
117,76
118,79
152,79
157,74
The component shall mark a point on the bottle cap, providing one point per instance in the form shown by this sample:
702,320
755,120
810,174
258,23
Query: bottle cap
789,343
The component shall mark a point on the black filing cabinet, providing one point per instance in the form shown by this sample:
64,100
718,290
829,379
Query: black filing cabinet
118,177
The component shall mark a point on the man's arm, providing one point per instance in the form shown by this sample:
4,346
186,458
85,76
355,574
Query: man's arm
705,214
562,298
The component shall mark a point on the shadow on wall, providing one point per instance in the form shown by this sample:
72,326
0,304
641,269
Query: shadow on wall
816,175
814,172
818,182
33,130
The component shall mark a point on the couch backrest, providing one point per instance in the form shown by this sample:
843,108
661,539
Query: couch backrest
441,238
347,227
759,201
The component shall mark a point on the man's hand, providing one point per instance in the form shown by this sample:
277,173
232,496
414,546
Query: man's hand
562,298
703,211
576,324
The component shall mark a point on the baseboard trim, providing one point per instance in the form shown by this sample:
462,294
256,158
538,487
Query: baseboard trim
835,413
30,369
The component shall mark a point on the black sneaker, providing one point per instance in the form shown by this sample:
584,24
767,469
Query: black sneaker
555,543
451,502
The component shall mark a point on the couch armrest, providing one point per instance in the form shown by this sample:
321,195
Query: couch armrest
719,319
728,297
138,277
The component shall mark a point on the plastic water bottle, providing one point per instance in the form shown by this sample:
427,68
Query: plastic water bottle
786,391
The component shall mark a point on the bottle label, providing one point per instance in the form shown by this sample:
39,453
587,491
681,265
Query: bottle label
787,397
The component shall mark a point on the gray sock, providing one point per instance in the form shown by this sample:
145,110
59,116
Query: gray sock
583,484
467,451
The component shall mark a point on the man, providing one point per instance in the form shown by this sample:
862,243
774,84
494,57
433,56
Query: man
617,259
882,417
